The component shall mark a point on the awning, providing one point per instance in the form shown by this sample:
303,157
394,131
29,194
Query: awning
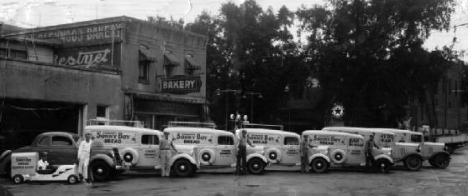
191,65
146,55
170,60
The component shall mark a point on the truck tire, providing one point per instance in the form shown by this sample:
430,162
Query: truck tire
100,170
183,168
256,166
319,165
382,165
442,161
413,163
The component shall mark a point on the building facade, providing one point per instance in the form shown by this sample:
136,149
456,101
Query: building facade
57,78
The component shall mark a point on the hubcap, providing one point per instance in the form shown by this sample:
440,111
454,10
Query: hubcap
100,171
182,167
256,166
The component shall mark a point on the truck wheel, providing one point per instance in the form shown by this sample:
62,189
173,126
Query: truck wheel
183,168
72,179
17,179
100,170
255,166
413,163
442,161
319,165
383,165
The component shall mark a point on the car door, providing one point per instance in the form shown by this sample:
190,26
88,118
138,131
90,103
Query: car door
355,151
62,150
43,145
149,150
225,150
290,151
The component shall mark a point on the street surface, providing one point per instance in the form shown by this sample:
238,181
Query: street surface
282,181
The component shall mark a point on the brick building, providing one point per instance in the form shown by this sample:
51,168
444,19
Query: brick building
56,78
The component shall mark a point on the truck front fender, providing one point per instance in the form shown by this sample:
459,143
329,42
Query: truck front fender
438,153
314,156
5,158
104,157
384,156
184,156
410,154
256,155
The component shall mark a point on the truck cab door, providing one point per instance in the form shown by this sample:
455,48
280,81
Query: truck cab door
225,151
291,151
149,150
355,151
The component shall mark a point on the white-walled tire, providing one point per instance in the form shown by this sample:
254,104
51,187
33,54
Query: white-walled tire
338,156
130,155
206,157
273,155
17,179
72,179
256,166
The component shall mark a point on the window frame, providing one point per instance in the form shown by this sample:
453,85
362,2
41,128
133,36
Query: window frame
60,136
231,140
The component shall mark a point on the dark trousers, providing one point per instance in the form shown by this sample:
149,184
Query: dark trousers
304,162
241,166
370,161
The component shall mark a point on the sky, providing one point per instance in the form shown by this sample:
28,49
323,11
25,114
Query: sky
36,13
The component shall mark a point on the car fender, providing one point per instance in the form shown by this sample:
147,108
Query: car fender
411,154
106,158
256,155
184,156
438,153
314,156
5,158
384,156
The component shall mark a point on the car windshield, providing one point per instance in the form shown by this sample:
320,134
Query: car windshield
416,138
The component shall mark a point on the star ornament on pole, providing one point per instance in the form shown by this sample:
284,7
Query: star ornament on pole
337,111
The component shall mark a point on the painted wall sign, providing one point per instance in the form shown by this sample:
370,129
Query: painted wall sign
92,57
86,34
181,84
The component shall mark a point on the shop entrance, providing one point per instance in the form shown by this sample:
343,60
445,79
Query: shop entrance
22,120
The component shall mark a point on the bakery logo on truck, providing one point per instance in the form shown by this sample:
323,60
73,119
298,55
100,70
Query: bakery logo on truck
194,138
262,138
327,140
22,163
115,137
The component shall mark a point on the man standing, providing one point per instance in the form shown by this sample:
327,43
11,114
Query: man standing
370,144
165,146
84,152
304,154
242,153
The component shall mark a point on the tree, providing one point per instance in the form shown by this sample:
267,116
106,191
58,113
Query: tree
369,54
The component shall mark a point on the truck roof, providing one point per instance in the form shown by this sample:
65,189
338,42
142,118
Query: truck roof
361,129
268,131
398,130
197,130
320,132
120,128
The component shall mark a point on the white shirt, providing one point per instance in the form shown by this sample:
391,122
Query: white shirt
85,148
42,165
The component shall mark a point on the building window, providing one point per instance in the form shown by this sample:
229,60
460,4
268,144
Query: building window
143,71
102,115
14,54
170,62
190,65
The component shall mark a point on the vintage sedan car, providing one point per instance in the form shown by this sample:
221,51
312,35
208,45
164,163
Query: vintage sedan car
330,148
62,149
